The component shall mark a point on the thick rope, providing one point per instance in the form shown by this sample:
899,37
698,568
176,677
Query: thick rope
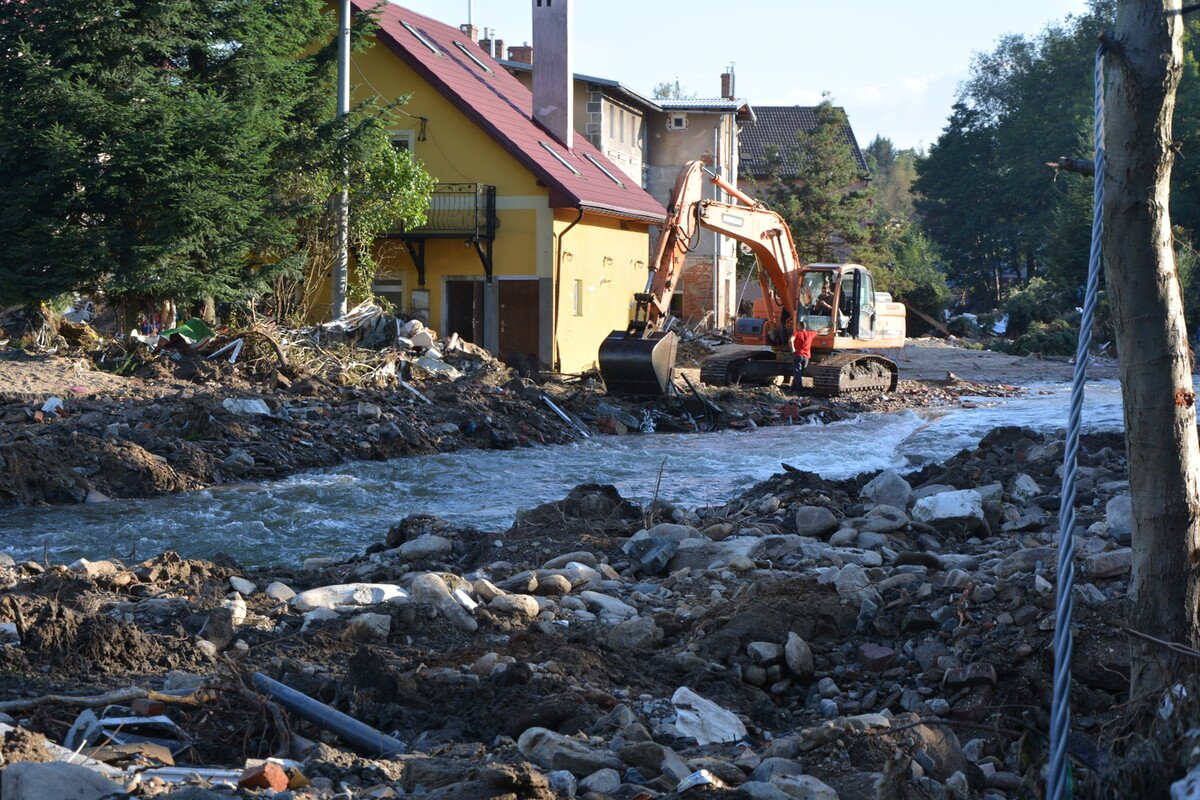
1059,777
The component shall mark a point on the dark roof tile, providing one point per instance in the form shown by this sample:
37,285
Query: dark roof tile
777,126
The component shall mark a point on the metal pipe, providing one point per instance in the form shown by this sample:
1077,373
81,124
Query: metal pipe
716,253
351,730
558,286
341,267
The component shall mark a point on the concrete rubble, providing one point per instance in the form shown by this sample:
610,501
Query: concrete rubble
879,637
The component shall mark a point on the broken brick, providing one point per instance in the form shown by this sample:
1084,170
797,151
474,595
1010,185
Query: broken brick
981,673
876,657
145,707
267,775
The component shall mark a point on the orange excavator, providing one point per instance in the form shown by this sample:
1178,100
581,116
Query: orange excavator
838,301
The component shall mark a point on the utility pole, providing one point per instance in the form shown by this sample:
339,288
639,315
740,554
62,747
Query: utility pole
341,266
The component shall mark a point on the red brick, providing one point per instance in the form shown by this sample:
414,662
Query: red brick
144,707
268,775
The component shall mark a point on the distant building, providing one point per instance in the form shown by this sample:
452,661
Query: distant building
536,240
774,129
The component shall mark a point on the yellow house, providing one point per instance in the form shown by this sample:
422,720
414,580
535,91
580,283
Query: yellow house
535,243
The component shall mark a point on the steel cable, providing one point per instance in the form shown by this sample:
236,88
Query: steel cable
1058,779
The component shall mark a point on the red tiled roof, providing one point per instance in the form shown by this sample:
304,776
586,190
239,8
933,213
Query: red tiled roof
499,104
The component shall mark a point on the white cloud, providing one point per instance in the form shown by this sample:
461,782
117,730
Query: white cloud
805,97
900,92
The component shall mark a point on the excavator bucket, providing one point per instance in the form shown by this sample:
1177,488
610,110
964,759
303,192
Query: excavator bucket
632,365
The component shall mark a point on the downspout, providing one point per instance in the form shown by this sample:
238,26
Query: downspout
558,285
716,253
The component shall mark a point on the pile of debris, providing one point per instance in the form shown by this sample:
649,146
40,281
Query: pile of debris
881,636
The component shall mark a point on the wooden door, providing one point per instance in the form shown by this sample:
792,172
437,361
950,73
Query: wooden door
464,310
519,313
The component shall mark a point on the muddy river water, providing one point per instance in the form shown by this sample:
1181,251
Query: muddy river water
340,510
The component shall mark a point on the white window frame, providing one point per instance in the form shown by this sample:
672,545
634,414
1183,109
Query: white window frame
406,138
677,122
577,297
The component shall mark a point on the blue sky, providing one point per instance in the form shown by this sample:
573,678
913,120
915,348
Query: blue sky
893,65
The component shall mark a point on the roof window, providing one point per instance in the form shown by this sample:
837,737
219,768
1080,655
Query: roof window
421,38
478,61
560,159
602,168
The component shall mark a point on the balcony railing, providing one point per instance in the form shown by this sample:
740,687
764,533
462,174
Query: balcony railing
457,211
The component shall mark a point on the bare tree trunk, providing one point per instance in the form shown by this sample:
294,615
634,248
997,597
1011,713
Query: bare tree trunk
1144,68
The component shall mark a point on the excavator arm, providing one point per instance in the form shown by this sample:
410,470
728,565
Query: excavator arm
744,220
640,360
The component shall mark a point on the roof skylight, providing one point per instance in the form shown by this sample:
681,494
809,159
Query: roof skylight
560,159
601,167
421,38
478,61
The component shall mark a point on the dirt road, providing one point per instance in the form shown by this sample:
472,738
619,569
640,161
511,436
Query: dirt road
931,359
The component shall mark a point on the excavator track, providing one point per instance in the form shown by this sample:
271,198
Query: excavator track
848,373
726,370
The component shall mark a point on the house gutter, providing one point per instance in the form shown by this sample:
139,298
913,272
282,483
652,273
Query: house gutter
558,283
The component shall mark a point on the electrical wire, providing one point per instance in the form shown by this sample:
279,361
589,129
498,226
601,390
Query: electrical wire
424,134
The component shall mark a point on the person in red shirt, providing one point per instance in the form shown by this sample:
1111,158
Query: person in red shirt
802,341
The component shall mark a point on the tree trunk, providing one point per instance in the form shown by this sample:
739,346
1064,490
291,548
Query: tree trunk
1156,380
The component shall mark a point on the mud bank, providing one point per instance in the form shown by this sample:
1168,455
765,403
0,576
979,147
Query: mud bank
75,434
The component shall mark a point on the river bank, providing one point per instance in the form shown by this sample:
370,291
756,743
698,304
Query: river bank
874,636
72,433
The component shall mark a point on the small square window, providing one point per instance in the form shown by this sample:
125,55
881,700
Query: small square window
677,122
403,140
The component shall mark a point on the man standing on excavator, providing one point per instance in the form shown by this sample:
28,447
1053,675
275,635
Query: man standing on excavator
802,341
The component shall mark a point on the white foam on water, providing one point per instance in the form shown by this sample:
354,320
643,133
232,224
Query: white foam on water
342,509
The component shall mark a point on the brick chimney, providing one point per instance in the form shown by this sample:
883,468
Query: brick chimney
497,49
727,89
521,53
553,93
470,31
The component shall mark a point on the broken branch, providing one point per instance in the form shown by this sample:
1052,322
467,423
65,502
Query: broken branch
117,696
1077,165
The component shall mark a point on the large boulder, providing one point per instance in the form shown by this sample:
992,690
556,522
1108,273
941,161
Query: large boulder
431,590
1023,489
554,751
815,521
635,634
347,594
704,720
609,608
703,555
1025,560
1118,516
425,547
57,780
884,519
799,655
889,489
951,512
